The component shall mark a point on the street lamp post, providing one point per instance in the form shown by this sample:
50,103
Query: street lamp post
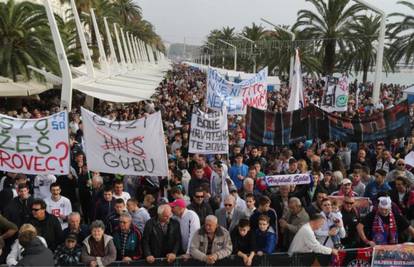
235,53
252,44
211,52
292,58
380,50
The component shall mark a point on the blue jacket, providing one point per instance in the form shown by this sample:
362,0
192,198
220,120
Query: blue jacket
373,189
266,241
234,171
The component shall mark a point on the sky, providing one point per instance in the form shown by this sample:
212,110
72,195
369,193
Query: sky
175,20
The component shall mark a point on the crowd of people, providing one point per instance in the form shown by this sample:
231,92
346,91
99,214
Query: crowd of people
210,206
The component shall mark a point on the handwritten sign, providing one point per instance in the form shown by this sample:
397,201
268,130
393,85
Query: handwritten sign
287,179
35,146
125,147
209,133
236,96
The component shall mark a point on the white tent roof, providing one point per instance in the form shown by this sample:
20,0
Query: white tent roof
10,88
409,90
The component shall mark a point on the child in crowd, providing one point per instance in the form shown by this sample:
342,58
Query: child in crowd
250,204
243,241
336,215
68,254
266,237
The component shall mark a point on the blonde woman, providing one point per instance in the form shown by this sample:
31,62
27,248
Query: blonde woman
302,166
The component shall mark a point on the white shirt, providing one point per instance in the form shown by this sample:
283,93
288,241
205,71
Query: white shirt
189,224
305,242
125,196
42,186
140,217
58,208
322,233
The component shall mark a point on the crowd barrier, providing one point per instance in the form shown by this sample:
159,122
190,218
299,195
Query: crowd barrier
345,258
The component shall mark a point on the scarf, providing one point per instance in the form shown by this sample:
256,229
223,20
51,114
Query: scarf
384,234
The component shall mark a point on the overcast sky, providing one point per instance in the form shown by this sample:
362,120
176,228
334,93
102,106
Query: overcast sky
175,20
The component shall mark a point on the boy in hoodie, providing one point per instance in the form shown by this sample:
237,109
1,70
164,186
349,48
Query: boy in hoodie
266,237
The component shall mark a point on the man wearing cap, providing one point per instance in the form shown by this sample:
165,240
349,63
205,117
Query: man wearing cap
378,185
346,189
189,222
382,226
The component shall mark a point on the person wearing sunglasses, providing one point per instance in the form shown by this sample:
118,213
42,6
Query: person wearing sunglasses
47,225
399,171
350,218
228,216
200,206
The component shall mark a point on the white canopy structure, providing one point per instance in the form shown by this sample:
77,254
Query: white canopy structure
8,88
134,78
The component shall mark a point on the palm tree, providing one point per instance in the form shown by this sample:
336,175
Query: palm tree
328,24
402,35
361,51
127,10
25,39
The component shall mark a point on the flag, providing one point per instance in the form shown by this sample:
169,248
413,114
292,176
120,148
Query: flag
296,100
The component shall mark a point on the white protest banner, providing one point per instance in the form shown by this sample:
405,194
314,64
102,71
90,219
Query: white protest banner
125,147
35,146
236,96
209,133
336,95
287,179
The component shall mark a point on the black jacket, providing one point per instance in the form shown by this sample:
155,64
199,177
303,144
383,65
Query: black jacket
50,229
19,212
36,254
202,210
155,243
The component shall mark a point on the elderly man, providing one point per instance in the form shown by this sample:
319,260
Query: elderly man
382,226
75,227
305,240
399,171
229,216
189,222
127,240
292,222
211,243
162,236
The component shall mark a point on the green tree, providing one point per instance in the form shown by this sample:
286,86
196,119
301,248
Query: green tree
402,35
25,39
330,24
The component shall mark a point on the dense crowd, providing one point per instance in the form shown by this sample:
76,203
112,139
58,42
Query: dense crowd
210,206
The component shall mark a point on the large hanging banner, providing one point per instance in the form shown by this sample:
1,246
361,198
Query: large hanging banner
236,96
125,147
273,129
393,255
336,95
209,133
35,146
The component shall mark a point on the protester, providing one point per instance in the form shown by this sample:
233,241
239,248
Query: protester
266,237
81,231
69,253
47,225
162,236
35,252
188,220
127,240
139,215
58,205
15,254
305,240
211,243
98,249
229,217
244,242
200,206
19,209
